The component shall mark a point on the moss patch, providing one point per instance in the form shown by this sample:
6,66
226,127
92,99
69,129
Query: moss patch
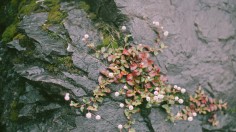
9,33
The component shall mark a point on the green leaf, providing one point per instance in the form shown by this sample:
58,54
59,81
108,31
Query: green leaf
92,108
166,107
103,49
131,130
82,108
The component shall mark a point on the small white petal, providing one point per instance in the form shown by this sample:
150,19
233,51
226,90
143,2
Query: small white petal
166,33
122,105
155,93
123,28
148,99
194,114
111,75
131,107
162,27
117,94
120,126
181,101
155,98
178,88
190,118
86,36
155,23
175,86
88,115
125,87
183,90
98,117
67,96
83,39
176,98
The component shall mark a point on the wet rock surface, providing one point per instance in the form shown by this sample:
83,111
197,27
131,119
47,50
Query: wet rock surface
201,51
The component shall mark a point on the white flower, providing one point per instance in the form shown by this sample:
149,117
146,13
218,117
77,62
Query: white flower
176,98
121,105
111,75
117,94
69,48
98,117
181,101
120,126
155,23
160,96
166,33
183,90
178,88
123,28
194,114
190,118
83,39
88,115
162,27
148,98
131,107
67,96
175,86
155,92
148,78
155,98
86,36
125,87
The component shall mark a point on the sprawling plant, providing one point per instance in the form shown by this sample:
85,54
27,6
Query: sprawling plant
143,85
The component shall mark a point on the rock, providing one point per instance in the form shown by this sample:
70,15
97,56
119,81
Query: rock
200,45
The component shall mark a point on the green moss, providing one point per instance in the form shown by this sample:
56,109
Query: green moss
27,7
55,17
20,36
92,16
83,5
52,68
9,33
14,112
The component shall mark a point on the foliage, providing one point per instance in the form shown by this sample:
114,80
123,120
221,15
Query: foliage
144,85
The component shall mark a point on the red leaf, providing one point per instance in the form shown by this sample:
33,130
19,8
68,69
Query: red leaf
130,79
125,52
143,55
136,72
133,66
153,73
148,85
130,93
104,72
111,57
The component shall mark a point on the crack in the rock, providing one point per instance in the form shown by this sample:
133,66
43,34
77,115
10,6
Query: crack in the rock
144,113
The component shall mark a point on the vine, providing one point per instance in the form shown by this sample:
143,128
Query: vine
144,86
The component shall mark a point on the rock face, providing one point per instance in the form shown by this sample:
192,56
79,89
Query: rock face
38,71
201,48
